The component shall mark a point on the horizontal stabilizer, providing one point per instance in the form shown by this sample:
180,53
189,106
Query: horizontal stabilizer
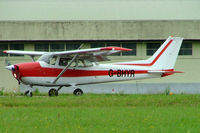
164,73
152,71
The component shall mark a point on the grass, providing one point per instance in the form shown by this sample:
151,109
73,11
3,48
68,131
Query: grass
100,113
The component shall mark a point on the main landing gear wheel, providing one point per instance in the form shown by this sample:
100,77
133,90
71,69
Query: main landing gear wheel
53,92
78,92
28,93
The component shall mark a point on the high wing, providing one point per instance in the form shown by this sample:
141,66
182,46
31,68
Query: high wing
93,54
32,54
109,50
19,52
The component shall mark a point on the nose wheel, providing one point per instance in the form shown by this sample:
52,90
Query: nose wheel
28,93
78,92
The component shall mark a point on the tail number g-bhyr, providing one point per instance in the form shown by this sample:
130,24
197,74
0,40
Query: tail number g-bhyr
121,73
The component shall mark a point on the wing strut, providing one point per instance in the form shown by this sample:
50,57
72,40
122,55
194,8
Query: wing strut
32,57
65,69
61,73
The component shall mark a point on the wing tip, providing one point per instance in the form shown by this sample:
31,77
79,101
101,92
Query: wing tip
116,48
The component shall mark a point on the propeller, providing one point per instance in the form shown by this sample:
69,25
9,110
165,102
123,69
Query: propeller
8,65
6,62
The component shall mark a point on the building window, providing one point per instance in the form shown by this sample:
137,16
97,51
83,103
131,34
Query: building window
72,45
114,44
186,48
16,47
97,44
42,47
57,47
2,48
152,48
130,46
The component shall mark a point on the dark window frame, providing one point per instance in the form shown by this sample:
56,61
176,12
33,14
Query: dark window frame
16,46
72,45
45,46
97,44
3,48
57,44
186,49
129,53
152,47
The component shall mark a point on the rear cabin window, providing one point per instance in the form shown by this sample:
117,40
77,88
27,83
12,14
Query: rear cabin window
186,48
63,61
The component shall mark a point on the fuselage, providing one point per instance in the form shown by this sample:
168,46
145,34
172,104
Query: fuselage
41,73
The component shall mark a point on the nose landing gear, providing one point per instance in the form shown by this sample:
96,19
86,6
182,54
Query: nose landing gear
28,93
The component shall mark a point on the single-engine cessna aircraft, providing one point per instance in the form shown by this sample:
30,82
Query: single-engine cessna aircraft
79,67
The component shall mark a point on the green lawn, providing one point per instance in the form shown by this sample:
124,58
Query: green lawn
100,113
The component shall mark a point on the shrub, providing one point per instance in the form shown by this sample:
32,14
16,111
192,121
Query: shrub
36,92
167,91
1,92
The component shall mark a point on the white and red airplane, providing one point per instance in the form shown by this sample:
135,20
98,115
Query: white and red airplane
79,67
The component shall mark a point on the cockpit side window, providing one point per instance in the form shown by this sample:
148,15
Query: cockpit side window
63,61
52,61
87,63
83,63
77,63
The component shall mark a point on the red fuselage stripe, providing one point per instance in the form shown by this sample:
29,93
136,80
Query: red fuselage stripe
34,69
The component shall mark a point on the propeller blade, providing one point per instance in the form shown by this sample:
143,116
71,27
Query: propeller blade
6,62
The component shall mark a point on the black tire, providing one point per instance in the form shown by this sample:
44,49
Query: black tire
31,94
53,92
28,93
78,92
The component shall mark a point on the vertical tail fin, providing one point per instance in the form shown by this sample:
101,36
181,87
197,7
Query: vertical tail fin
165,57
